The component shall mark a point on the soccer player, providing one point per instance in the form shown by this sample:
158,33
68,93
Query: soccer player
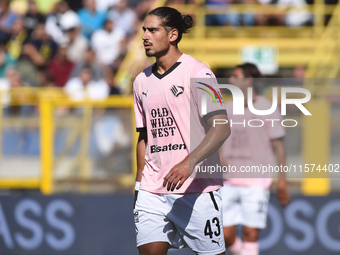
174,210
245,200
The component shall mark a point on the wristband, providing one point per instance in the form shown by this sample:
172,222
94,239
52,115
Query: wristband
137,186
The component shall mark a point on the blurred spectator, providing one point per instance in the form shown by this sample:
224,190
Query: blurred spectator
46,6
54,21
77,43
181,2
36,53
104,5
17,39
267,19
32,17
246,18
296,15
297,79
109,80
123,16
90,18
217,19
7,18
45,80
40,48
13,79
19,6
26,141
116,64
232,17
143,8
106,42
5,61
89,61
299,72
85,87
60,67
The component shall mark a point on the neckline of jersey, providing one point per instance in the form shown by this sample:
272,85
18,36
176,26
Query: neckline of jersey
161,76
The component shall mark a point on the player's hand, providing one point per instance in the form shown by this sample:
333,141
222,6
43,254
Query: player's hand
177,175
282,192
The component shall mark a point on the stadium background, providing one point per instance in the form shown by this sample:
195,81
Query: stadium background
67,156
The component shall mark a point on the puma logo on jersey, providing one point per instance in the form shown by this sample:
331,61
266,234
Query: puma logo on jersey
177,90
208,74
145,93
218,242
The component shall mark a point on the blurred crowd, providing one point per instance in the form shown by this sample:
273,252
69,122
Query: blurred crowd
289,13
83,47
72,49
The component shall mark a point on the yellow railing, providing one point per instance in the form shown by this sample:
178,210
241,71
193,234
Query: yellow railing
47,101
47,126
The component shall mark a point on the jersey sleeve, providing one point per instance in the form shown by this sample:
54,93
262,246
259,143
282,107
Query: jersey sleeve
207,97
138,107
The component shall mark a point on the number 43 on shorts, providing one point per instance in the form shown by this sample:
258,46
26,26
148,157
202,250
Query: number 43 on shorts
208,229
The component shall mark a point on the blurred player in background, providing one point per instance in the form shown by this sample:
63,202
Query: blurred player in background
245,200
172,210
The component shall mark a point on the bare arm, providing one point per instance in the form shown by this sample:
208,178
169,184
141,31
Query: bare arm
33,54
282,189
211,143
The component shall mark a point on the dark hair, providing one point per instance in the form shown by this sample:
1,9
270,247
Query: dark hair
86,67
107,21
251,71
173,19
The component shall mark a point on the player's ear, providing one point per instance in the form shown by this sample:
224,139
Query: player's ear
173,35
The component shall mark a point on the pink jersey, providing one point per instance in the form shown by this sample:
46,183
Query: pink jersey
251,146
164,107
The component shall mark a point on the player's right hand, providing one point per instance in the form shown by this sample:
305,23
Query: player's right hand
177,175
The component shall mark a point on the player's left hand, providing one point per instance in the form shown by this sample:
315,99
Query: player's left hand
282,192
177,175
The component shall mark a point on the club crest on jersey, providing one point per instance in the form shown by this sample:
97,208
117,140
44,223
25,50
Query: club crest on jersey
177,90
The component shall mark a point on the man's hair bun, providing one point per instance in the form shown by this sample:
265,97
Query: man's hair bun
188,22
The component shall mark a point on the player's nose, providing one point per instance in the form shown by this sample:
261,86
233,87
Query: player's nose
145,35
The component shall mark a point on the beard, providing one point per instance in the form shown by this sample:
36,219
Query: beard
154,53
149,53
